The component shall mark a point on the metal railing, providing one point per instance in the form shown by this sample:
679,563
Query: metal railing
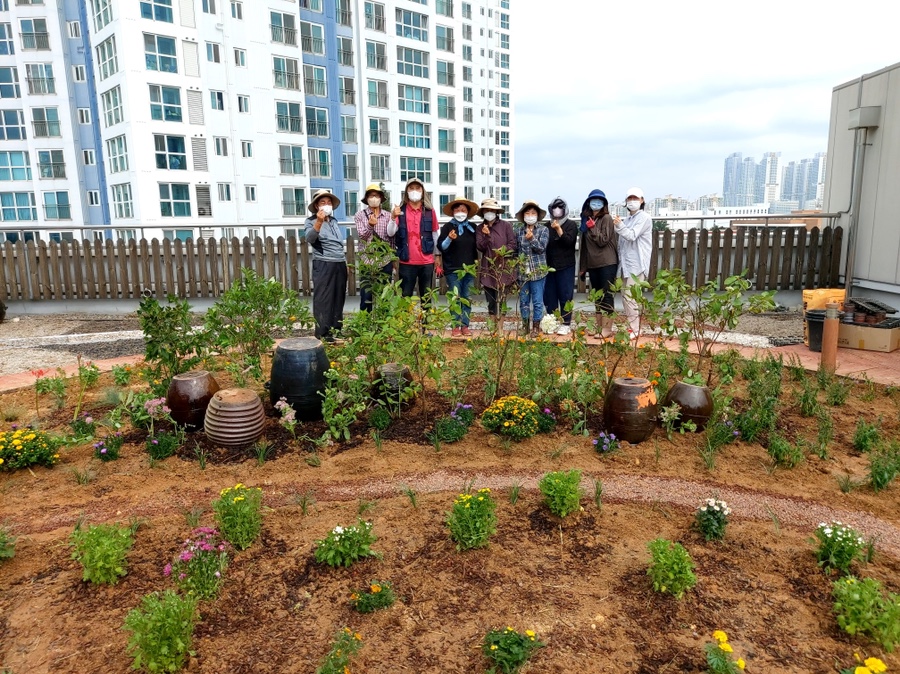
446,146
378,100
284,35
316,87
380,137
319,169
375,22
348,96
52,170
447,112
345,17
291,209
376,61
348,135
36,41
287,80
379,173
351,172
289,124
63,212
41,85
345,58
447,178
46,130
291,167
445,44
447,79
312,45
314,128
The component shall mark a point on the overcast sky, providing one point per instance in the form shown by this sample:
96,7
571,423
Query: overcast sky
657,94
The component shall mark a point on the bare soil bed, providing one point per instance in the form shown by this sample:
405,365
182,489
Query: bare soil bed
580,583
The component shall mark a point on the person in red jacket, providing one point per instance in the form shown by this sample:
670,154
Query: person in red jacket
415,231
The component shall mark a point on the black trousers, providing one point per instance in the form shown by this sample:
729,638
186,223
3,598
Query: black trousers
329,293
601,279
412,275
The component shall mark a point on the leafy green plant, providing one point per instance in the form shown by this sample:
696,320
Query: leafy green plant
238,514
861,607
513,417
164,444
606,443
508,650
346,395
243,320
562,491
378,595
172,345
261,450
884,464
718,656
671,568
287,416
838,391
24,447
162,628
837,546
199,567
448,429
825,432
7,543
711,519
784,453
52,385
598,493
546,421
410,493
867,666
88,375
84,426
85,476
472,520
345,545
346,644
380,419
108,448
514,492
809,399
101,549
121,374
866,436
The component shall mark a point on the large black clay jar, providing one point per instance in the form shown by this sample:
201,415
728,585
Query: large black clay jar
629,410
696,403
298,375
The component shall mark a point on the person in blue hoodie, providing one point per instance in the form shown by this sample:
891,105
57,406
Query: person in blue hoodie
599,256
456,244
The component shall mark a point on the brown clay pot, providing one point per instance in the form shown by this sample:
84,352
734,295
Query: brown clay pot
188,397
629,410
696,403
235,418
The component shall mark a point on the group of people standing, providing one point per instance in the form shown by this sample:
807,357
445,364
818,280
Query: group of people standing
538,259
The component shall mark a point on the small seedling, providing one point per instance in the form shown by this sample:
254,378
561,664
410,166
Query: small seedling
514,492
410,493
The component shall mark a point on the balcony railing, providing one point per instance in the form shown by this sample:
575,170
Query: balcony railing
319,169
345,17
467,115
379,173
378,100
376,61
380,137
58,212
446,112
314,128
52,170
312,45
286,80
447,178
284,35
315,87
375,22
348,96
46,130
447,79
41,85
291,167
36,41
292,209
445,43
351,172
447,146
289,124
348,135
345,58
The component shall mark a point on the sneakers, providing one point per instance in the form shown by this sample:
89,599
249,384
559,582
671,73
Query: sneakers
456,332
564,329
465,331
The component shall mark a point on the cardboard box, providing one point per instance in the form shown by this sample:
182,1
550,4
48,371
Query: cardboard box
868,339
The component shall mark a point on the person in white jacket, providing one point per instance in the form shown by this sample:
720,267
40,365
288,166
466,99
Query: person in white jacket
635,250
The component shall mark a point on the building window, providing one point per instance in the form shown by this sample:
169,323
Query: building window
7,45
414,99
446,140
502,100
312,38
376,55
375,16
344,13
467,10
283,28
165,103
243,103
290,160
468,137
467,77
444,7
446,107
378,96
224,191
237,10
468,174
88,157
467,91
250,193
240,58
247,148
352,197
209,6
412,62
379,131
503,175
174,200
293,201
444,38
504,21
316,122
16,206
112,106
288,117
348,129
84,116
503,61
159,53
107,58
217,100
40,78
504,119
412,25
501,137
12,125
117,151
157,10
447,173
315,83
56,206
73,29
351,168
15,166
102,11
504,80
319,163
445,73
121,198
348,91
93,197
286,73
468,154
221,146
415,134
381,167
504,40
345,51
213,52
415,167
466,51
9,83
79,73
170,153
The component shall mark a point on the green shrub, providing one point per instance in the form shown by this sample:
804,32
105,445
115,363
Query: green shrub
711,519
378,595
671,568
238,514
172,345
448,429
199,568
472,520
7,544
162,629
512,416
838,546
884,464
101,550
783,452
866,436
380,419
809,399
838,391
508,649
337,661
562,491
861,608
345,545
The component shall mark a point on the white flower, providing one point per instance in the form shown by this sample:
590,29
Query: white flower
338,530
703,509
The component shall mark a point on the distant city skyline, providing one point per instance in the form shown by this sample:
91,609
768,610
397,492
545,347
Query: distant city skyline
797,185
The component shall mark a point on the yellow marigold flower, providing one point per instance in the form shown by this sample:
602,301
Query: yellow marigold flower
876,665
657,375
725,646
740,663
354,596
357,636
862,670
720,636
493,647
347,630
346,670
529,633
375,588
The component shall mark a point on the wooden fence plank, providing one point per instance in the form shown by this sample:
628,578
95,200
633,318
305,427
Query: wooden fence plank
837,241
203,289
800,258
114,272
32,266
6,279
42,262
715,248
678,259
90,276
236,250
775,252
737,261
256,248
174,259
156,273
192,277
270,260
351,264
702,255
690,264
812,262
16,266
78,268
294,262
787,258
100,266
56,271
306,283
134,277
727,248
762,273
666,260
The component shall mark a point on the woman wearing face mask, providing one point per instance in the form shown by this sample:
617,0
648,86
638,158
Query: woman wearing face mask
415,231
559,288
497,242
635,249
599,256
456,243
532,237
329,272
372,222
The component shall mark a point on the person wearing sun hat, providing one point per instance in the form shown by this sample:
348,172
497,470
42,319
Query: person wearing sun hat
496,240
456,243
532,238
415,231
329,272
635,250
372,222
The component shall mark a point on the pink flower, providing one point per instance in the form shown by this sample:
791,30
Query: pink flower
167,570
186,556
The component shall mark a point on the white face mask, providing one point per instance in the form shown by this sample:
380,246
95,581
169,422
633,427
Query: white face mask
461,217
414,197
374,202
558,212
632,205
327,210
530,219
490,216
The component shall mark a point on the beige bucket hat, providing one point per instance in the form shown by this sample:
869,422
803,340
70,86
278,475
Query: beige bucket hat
335,202
471,205
520,215
490,204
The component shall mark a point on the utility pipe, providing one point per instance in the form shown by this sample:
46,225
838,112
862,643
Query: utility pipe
859,159
828,360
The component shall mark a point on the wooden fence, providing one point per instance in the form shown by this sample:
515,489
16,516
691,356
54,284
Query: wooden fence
778,258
